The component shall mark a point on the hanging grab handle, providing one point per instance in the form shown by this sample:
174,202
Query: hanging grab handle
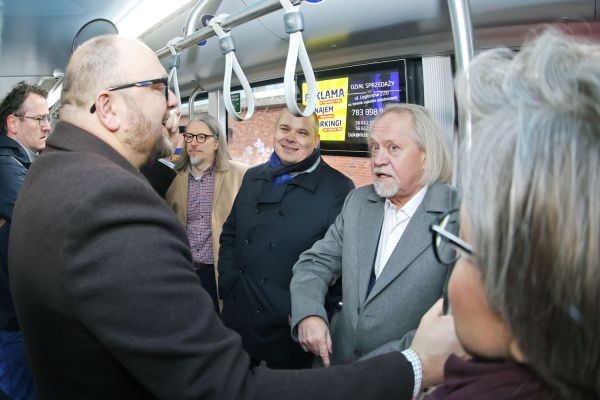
294,25
174,64
231,63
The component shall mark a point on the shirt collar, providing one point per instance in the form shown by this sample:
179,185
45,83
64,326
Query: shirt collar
30,154
209,171
411,207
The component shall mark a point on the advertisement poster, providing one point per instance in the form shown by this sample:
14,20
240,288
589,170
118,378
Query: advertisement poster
346,106
332,107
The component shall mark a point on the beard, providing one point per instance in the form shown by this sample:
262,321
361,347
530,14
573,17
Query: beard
195,161
386,192
147,136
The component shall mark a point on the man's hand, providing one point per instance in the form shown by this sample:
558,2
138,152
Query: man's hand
172,126
172,123
434,341
313,335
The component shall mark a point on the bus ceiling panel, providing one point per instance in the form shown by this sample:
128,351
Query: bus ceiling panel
204,65
507,12
37,35
352,31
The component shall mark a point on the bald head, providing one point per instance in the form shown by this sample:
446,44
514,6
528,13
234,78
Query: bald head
129,117
97,64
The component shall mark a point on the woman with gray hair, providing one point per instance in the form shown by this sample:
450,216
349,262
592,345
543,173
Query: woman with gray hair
525,290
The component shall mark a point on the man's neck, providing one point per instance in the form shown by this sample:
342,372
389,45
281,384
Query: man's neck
199,169
30,153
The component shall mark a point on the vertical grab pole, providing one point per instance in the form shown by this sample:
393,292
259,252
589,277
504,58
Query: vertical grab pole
462,31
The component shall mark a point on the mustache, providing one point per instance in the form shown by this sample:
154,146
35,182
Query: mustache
385,171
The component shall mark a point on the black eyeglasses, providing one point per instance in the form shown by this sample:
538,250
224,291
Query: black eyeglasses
200,138
164,81
41,119
445,242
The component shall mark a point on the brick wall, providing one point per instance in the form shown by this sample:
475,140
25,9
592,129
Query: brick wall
252,143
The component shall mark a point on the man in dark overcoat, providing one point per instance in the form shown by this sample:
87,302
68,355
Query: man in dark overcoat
282,208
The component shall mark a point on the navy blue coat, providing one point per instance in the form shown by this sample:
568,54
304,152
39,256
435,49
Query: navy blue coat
266,232
14,164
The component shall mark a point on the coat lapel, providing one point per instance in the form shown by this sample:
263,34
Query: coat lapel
182,193
370,215
417,237
218,183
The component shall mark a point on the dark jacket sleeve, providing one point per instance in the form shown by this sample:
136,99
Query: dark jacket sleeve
159,175
12,176
226,267
143,302
345,186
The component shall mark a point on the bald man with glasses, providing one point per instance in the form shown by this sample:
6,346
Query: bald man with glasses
25,126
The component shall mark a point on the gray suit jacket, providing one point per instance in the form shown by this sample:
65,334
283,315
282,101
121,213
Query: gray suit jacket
410,283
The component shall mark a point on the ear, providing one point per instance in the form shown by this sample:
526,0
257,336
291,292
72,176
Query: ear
515,351
216,143
318,139
11,124
106,112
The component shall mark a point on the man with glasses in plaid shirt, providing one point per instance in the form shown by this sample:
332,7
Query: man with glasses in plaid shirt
25,126
202,194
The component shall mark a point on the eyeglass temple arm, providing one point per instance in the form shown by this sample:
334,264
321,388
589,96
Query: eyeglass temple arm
453,238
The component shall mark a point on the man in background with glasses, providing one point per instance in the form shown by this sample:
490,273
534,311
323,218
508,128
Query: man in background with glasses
380,245
202,194
25,126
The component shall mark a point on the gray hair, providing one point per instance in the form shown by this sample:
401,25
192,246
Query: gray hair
429,138
222,153
532,190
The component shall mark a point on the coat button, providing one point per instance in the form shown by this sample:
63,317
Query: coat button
257,211
263,280
241,270
247,242
270,247
280,214
258,311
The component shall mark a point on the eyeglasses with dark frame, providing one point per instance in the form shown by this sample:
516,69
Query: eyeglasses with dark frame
41,119
200,137
446,245
150,82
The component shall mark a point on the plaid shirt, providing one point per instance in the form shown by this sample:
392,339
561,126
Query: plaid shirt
200,198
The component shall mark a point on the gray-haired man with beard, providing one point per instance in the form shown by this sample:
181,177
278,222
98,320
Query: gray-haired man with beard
380,244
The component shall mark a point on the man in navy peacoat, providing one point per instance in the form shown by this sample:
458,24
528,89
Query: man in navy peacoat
282,208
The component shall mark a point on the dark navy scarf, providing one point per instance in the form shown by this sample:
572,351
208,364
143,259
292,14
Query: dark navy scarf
281,172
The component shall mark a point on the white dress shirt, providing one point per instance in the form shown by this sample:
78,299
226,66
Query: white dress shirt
395,221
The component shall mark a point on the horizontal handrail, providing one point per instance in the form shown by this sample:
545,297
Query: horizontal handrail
249,13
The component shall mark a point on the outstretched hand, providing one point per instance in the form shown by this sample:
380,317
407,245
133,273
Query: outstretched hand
313,335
